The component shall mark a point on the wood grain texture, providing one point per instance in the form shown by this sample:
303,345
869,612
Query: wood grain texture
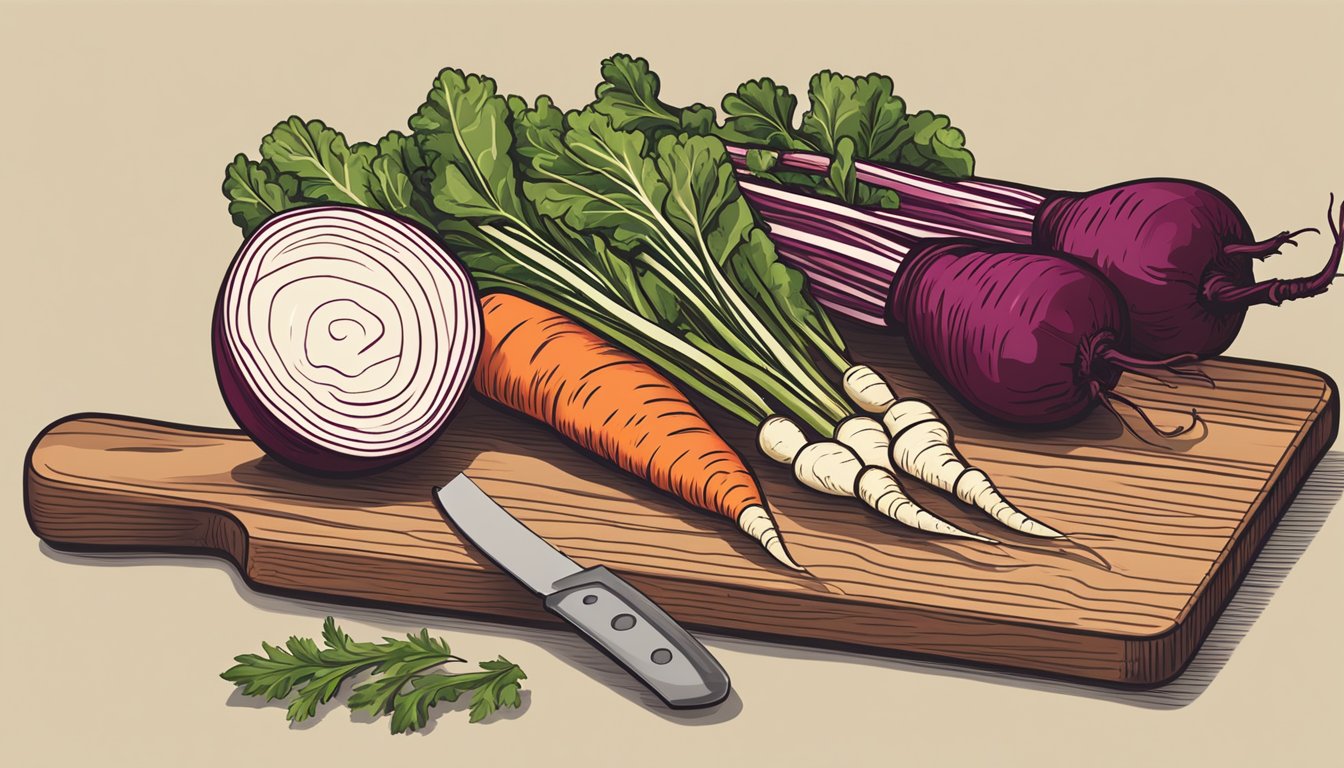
1159,537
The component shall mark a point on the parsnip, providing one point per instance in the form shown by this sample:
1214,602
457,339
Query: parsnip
833,468
920,445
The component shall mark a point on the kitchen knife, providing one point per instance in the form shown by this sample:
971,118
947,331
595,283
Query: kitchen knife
612,614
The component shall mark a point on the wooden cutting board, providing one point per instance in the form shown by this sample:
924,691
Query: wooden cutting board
1159,537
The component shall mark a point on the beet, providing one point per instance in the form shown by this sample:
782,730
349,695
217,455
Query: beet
1018,335
1180,253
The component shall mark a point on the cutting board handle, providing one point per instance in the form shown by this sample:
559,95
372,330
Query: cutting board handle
75,501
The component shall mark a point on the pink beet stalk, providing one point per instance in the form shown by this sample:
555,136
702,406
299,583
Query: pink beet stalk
1179,252
1020,336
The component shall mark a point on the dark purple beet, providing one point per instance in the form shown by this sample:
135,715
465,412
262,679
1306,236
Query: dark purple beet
1179,252
1181,255
1019,336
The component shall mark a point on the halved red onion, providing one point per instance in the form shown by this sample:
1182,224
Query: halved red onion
344,339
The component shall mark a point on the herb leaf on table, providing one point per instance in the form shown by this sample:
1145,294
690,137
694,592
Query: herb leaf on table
403,685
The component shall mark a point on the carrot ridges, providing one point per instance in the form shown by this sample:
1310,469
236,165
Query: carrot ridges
615,405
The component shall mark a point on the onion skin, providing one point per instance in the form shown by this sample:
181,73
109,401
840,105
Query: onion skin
342,338
1016,335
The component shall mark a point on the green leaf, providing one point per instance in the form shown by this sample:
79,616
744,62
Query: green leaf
783,289
935,146
314,675
500,690
628,96
537,130
761,161
495,687
256,192
865,110
464,127
862,109
596,178
400,179
832,113
760,112
876,197
664,302
841,173
272,676
334,637
411,711
879,119
698,120
319,690
328,169
703,203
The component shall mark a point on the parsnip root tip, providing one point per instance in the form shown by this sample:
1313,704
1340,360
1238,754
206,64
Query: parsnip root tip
1037,528
775,547
975,488
756,522
881,491
975,537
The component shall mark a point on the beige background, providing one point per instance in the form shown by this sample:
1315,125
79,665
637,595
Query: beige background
119,117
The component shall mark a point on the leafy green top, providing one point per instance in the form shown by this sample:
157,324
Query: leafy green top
314,675
849,119
646,240
674,206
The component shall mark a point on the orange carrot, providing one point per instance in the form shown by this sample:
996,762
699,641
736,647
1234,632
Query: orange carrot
614,404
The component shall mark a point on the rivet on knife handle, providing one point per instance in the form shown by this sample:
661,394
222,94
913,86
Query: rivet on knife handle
640,636
611,613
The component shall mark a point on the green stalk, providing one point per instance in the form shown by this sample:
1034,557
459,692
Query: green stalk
631,328
736,314
819,386
751,410
801,372
823,422
828,351
821,396
800,351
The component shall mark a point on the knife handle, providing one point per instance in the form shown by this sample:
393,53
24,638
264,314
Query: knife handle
640,636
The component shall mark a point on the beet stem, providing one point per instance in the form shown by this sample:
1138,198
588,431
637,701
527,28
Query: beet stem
1221,290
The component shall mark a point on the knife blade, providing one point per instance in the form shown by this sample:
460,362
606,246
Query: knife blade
607,610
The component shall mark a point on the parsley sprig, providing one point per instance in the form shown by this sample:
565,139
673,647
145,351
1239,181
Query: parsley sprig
402,685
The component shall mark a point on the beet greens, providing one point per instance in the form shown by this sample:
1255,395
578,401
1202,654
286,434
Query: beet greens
1179,252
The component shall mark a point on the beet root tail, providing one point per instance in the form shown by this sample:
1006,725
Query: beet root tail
1109,399
1181,366
1220,289
1266,248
